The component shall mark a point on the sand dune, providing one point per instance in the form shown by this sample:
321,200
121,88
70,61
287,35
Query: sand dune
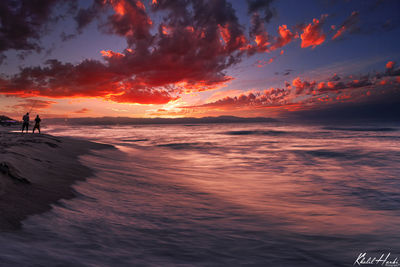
36,171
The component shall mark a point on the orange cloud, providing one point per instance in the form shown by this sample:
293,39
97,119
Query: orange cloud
312,34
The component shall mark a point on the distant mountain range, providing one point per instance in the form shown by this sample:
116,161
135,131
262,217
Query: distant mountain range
133,121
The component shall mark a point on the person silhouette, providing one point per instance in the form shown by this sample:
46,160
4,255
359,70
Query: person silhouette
37,124
25,122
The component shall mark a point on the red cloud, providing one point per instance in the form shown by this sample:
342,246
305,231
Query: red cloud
83,110
143,96
330,86
28,104
339,32
312,34
304,94
303,85
130,20
271,97
263,41
194,45
88,79
155,67
348,24
285,37
390,64
262,63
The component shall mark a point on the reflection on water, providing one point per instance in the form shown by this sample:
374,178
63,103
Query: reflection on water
222,194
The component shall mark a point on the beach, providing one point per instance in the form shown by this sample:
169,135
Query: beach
36,171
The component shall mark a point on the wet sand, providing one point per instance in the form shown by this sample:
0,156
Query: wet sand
36,171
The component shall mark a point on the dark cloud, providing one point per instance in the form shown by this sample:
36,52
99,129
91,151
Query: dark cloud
263,6
85,16
380,108
66,37
334,78
23,22
284,72
390,24
2,58
391,69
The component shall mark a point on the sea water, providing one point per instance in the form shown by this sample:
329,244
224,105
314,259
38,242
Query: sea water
222,195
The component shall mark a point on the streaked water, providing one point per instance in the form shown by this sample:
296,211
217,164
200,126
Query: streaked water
222,195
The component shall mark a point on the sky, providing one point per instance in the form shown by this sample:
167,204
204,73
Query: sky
193,58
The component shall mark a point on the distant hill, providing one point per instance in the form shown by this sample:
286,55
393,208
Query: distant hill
5,118
133,121
7,121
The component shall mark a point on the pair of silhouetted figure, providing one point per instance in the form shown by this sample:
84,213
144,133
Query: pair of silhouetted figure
25,123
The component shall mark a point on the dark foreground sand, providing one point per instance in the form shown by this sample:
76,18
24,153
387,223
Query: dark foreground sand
36,171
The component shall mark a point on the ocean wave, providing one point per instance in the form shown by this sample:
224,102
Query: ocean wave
179,146
256,132
357,129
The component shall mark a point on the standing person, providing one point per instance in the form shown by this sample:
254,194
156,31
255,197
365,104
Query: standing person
37,124
25,122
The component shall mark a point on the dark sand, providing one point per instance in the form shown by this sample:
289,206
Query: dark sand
37,171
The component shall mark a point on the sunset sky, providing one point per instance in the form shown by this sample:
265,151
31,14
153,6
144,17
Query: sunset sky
162,58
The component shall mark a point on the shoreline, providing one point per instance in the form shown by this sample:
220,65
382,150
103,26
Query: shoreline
36,171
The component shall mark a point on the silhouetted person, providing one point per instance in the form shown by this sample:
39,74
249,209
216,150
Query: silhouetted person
25,122
37,124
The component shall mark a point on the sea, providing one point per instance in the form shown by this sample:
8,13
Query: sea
223,194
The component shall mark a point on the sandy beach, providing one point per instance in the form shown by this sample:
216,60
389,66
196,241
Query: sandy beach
37,170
